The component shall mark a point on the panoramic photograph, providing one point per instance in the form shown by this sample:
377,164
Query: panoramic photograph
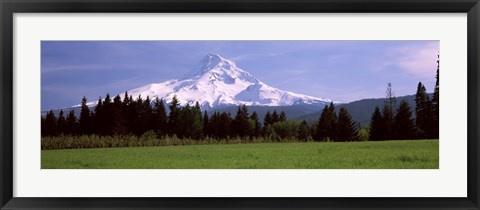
259,104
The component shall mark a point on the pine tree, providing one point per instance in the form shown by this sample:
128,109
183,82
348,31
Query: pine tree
50,124
224,125
206,125
436,104
326,127
283,117
241,125
423,112
139,112
126,104
85,118
387,115
257,127
160,116
404,125
275,117
98,120
119,120
107,115
61,123
377,126
304,131
267,120
174,115
147,121
214,123
333,122
132,115
197,124
185,122
346,129
72,124
323,125
43,132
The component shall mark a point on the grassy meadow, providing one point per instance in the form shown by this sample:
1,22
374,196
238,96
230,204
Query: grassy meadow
404,154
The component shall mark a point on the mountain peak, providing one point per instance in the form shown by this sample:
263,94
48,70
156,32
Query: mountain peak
210,62
212,56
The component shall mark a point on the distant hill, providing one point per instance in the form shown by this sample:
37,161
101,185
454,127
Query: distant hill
361,111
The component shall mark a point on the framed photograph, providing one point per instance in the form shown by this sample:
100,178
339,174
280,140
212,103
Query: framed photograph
239,105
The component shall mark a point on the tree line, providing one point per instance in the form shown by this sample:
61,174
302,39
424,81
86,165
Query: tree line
137,116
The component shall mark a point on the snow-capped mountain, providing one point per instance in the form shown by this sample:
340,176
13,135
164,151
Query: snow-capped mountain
216,82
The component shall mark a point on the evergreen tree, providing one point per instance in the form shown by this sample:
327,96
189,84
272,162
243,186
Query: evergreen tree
174,115
43,132
50,124
98,120
206,125
283,117
423,112
107,115
72,124
132,115
304,131
61,123
224,125
197,124
267,120
160,116
241,125
185,122
326,127
323,125
139,112
404,125
126,112
214,128
85,118
346,129
257,127
387,115
190,123
147,121
377,126
333,122
126,100
118,117
275,117
436,104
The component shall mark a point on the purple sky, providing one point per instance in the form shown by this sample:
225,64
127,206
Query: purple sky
339,70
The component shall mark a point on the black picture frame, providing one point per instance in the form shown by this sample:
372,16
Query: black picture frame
10,7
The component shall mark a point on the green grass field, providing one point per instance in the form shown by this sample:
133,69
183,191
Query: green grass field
421,154
414,154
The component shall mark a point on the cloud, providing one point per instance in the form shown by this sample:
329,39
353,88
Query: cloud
419,59
80,67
